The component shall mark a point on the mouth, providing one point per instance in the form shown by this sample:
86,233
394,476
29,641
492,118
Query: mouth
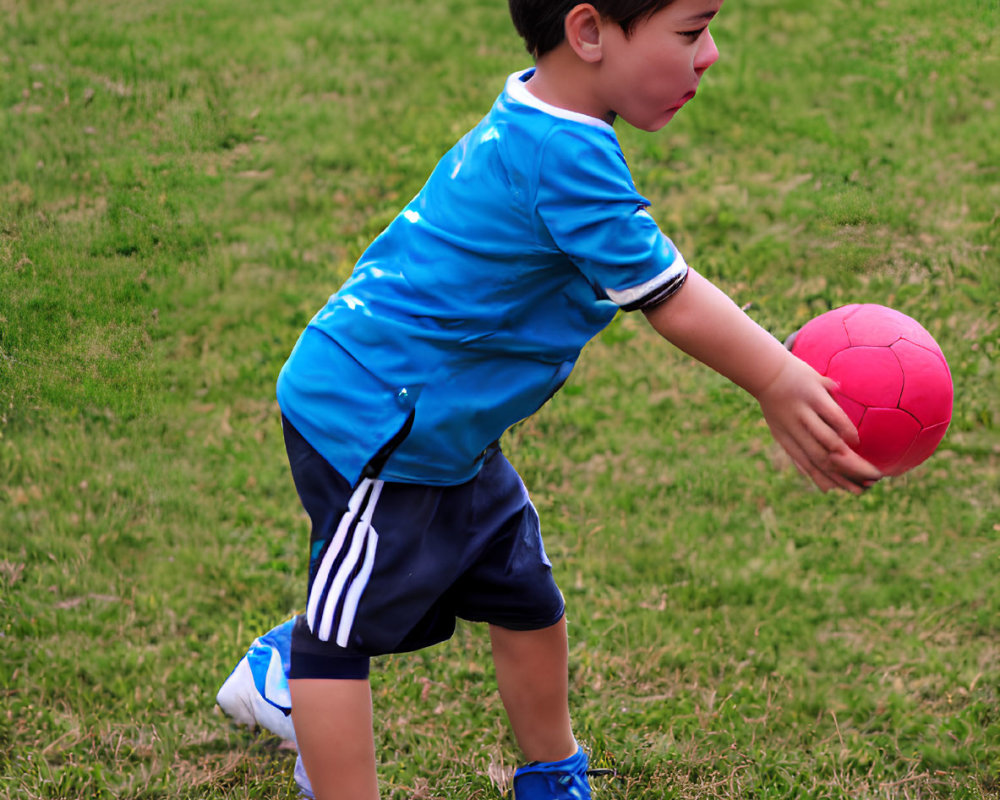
682,102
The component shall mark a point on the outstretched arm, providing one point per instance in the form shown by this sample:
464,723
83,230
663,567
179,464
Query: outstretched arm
804,419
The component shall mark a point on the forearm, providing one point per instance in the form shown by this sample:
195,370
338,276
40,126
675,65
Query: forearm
795,399
705,323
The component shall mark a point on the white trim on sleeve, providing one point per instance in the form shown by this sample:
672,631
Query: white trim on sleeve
634,295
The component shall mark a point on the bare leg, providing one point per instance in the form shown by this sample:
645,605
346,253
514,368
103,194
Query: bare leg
532,674
333,725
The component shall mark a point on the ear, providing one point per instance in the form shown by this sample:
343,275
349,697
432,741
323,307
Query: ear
583,32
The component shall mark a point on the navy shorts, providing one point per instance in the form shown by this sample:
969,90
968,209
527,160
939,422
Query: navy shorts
392,565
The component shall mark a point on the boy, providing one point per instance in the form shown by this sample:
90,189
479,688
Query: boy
464,316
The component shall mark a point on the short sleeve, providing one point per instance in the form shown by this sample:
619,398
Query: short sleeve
588,204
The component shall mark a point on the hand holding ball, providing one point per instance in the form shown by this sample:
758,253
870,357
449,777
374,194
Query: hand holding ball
895,384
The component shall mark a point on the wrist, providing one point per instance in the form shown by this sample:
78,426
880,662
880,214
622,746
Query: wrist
774,361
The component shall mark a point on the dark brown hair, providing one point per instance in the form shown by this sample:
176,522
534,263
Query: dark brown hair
541,22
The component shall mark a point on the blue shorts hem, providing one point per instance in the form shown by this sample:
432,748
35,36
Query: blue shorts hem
521,624
311,665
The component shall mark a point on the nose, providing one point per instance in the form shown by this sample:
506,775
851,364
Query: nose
707,54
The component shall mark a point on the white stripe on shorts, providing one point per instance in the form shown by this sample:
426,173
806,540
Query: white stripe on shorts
357,587
321,619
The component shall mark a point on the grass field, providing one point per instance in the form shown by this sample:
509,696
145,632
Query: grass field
183,184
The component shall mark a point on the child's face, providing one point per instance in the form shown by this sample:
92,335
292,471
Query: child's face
647,76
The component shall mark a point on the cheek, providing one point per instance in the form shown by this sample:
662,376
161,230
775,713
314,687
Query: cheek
673,66
671,74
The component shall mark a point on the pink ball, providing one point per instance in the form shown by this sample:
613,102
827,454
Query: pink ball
895,384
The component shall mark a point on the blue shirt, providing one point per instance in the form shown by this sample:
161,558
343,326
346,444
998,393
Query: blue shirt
470,310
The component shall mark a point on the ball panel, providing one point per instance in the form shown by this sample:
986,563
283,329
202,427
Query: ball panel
868,375
820,338
853,409
927,387
873,325
923,447
880,326
886,436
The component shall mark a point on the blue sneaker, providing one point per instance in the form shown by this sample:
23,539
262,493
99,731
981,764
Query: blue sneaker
554,780
256,692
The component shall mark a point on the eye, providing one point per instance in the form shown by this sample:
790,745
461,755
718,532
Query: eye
692,35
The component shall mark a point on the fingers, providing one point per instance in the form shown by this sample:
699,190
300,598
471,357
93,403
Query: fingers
837,435
827,479
843,468
819,453
815,431
862,472
836,417
809,467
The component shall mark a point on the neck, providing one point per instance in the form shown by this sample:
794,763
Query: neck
562,80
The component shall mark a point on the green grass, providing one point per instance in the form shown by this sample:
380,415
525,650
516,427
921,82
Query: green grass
184,184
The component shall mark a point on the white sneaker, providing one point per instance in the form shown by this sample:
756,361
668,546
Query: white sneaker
256,692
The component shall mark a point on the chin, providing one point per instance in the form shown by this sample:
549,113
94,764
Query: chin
660,122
